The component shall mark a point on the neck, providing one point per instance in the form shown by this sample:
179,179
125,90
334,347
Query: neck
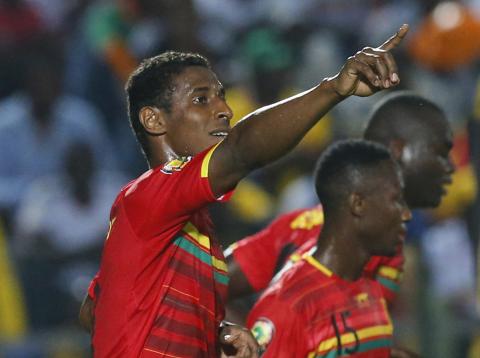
338,249
160,154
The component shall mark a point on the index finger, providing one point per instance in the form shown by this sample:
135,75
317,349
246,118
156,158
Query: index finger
395,40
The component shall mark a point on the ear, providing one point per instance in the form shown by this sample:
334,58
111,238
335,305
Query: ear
153,120
357,204
396,147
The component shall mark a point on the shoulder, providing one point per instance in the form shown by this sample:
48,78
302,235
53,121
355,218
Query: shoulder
161,174
295,283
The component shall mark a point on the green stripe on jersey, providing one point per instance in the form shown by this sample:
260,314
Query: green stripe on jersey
194,250
221,278
391,285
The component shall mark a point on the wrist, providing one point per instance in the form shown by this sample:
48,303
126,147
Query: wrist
329,86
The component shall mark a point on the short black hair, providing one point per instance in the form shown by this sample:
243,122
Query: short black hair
151,85
343,166
402,115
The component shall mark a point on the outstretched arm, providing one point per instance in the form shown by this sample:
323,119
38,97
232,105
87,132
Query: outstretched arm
272,131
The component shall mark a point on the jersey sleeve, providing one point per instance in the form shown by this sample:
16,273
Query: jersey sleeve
257,255
388,272
91,288
167,196
280,335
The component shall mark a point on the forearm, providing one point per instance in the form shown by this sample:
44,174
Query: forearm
274,130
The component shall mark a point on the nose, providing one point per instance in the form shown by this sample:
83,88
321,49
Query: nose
224,112
450,166
406,214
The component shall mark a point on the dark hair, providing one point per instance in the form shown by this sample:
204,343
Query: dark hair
151,85
402,115
343,166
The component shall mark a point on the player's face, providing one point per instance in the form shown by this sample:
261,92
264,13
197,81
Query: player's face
200,116
387,213
427,167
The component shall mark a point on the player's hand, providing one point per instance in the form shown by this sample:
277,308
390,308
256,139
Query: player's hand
238,342
371,69
402,353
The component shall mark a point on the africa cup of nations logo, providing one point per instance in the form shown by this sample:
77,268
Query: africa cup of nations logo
263,331
175,165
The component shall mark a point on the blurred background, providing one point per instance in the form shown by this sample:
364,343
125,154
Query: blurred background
66,146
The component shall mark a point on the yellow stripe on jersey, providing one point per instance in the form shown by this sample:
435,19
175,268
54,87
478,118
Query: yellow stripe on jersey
348,338
204,241
193,232
206,161
389,272
316,264
219,264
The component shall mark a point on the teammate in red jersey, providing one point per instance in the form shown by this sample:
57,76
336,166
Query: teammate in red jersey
162,280
323,306
419,138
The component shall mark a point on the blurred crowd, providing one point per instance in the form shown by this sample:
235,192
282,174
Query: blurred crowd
66,147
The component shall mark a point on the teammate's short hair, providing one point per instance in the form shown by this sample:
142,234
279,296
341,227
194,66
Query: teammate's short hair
345,167
402,115
151,85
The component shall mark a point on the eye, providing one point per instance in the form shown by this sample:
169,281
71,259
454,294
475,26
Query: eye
200,100
221,94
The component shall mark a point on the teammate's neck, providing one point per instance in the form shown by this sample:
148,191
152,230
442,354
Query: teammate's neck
337,249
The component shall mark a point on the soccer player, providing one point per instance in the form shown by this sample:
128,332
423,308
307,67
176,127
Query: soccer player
323,306
419,138
162,282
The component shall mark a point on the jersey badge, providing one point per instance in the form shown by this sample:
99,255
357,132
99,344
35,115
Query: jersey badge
362,298
263,331
175,165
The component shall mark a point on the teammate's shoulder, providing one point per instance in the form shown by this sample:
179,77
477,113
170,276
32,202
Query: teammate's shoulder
306,219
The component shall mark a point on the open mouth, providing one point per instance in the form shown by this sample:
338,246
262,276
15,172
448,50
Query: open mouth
219,133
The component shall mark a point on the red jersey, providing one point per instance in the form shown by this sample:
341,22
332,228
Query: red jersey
263,254
310,312
162,281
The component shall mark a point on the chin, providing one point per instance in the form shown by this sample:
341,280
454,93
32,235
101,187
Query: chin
388,252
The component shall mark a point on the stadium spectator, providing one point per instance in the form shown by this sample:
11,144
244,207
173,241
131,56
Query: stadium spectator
40,122
60,228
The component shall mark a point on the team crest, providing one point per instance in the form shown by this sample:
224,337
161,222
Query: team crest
175,165
362,298
263,331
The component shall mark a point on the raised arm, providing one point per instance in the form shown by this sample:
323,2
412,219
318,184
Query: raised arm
270,132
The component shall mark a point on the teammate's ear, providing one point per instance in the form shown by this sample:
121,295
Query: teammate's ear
153,120
396,147
357,204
